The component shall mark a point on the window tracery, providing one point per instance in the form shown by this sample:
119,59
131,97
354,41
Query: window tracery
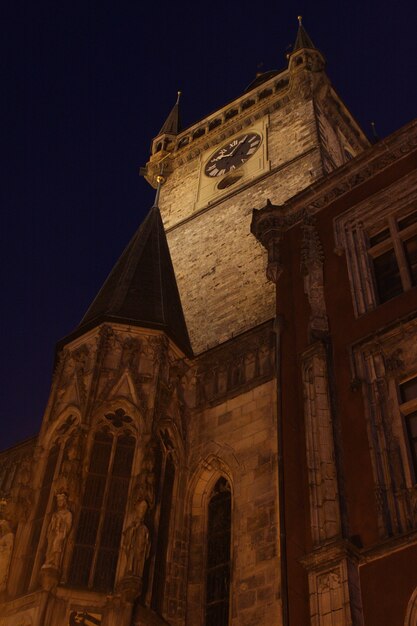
102,512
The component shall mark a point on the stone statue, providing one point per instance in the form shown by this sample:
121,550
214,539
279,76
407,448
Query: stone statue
58,531
145,489
136,541
24,489
6,549
69,478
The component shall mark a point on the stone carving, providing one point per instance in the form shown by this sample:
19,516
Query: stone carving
131,352
145,489
69,476
118,418
58,531
240,364
24,497
329,582
80,363
6,549
394,362
312,268
136,541
84,618
70,379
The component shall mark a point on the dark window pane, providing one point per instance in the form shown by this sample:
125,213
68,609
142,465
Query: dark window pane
80,567
217,614
163,535
410,247
112,530
94,491
408,390
105,570
407,221
218,555
124,456
100,455
411,421
383,235
117,496
387,276
87,527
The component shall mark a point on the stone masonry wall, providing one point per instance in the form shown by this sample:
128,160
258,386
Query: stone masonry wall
220,267
237,439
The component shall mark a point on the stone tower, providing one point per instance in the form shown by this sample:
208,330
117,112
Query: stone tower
196,463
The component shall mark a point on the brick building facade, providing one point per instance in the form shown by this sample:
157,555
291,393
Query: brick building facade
231,434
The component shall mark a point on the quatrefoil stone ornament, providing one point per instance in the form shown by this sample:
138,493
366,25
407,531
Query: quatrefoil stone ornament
118,418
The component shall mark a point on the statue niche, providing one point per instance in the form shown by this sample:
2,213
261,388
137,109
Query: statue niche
136,541
57,534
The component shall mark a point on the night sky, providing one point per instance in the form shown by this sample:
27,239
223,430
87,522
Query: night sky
85,87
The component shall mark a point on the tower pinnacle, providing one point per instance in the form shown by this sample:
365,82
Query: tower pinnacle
172,124
303,39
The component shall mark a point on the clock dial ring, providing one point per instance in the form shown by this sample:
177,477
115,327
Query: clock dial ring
233,154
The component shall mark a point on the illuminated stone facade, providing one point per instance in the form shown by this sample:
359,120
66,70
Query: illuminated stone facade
242,452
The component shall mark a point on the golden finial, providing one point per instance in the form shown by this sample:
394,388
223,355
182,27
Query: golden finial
178,97
300,20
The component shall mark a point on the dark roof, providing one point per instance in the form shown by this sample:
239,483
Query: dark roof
172,125
303,39
260,78
141,289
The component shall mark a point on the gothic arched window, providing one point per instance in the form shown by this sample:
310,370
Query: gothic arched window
100,524
218,555
167,479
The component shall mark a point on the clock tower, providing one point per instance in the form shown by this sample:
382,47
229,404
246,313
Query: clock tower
287,130
230,438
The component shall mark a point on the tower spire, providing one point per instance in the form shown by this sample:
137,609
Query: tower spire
172,124
141,289
303,40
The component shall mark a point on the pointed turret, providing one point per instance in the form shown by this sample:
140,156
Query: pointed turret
169,130
172,125
142,289
305,55
303,39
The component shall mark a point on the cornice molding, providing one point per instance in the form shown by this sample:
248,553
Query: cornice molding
345,179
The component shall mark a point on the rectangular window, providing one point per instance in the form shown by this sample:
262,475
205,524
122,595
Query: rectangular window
408,406
393,252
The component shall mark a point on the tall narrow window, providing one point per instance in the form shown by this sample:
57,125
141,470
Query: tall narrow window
102,513
218,555
163,535
41,508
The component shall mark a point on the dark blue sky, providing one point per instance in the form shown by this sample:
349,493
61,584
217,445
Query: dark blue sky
85,87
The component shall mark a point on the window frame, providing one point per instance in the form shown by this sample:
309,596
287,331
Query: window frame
354,227
406,409
396,242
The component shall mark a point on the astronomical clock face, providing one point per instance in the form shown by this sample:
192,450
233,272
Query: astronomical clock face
232,155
